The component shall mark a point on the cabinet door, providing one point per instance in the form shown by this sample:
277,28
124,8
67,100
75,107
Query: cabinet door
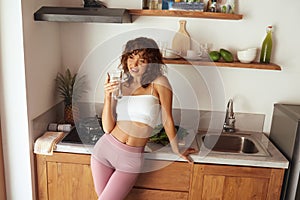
70,181
222,187
173,176
148,194
171,182
235,183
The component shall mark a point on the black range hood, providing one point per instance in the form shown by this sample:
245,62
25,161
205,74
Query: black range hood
81,14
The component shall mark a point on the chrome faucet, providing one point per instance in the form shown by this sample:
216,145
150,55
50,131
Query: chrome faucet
229,118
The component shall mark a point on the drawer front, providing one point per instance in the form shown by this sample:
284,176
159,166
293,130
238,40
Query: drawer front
146,194
175,177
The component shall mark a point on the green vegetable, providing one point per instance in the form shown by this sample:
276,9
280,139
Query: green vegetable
159,135
214,56
224,9
226,55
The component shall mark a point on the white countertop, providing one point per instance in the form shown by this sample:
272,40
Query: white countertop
274,158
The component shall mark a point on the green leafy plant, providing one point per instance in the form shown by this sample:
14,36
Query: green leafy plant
70,92
65,83
159,134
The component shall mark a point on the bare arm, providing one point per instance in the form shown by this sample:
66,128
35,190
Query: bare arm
165,93
165,97
108,113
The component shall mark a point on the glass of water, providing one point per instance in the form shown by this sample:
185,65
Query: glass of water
116,75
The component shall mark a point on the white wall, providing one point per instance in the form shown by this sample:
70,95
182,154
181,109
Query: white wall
13,103
254,91
30,59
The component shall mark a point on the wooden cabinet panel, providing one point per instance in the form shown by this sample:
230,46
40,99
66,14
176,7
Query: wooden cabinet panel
145,194
64,176
175,176
235,183
245,188
213,185
70,181
275,184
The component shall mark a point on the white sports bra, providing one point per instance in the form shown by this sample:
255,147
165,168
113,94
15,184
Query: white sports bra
139,108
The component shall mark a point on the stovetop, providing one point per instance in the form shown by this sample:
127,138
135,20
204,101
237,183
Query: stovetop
88,131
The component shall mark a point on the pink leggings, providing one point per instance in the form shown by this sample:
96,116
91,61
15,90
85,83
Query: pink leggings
115,167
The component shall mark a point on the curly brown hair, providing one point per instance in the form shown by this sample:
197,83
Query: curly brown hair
148,50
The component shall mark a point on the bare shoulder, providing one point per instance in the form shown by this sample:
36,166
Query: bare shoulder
163,91
162,81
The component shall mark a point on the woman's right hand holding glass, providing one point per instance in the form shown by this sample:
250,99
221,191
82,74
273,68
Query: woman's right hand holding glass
110,86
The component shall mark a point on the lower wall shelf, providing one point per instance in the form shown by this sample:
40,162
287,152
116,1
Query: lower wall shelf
253,65
182,13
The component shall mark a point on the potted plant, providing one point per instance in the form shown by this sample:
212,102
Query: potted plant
66,89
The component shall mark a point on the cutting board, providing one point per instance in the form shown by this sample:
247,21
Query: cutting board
181,41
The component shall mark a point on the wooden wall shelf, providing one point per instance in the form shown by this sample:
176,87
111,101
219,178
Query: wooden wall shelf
254,65
114,15
179,13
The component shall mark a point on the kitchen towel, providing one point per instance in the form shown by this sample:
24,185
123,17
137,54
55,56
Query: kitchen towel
47,142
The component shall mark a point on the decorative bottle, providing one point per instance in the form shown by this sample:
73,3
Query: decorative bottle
212,6
266,49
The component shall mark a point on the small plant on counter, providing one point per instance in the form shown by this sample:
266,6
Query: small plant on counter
159,134
70,94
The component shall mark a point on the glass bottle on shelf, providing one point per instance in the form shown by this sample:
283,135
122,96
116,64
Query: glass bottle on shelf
212,6
155,4
266,49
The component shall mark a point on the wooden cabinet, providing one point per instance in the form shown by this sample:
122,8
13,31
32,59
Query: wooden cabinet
234,182
65,176
68,176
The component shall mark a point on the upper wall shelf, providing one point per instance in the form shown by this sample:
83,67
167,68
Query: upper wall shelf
116,15
192,14
253,65
80,14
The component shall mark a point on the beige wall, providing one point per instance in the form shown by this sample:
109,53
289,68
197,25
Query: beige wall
42,58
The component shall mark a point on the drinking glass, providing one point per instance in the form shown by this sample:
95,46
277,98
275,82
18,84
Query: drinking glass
163,45
116,75
205,48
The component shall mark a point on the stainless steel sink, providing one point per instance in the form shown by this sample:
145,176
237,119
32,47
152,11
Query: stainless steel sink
231,143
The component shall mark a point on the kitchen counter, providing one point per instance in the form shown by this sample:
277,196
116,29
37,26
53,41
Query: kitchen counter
273,159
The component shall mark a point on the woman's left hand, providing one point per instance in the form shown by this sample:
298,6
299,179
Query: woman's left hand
186,154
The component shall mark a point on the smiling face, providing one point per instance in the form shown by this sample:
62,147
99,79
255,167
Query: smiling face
136,64
142,59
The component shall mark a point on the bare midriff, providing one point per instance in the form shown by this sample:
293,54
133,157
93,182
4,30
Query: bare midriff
132,133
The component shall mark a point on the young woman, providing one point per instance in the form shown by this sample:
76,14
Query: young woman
128,122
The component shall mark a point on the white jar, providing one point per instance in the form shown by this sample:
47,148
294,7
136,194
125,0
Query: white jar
64,127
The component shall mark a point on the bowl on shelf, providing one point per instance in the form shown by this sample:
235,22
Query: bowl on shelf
171,54
247,55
